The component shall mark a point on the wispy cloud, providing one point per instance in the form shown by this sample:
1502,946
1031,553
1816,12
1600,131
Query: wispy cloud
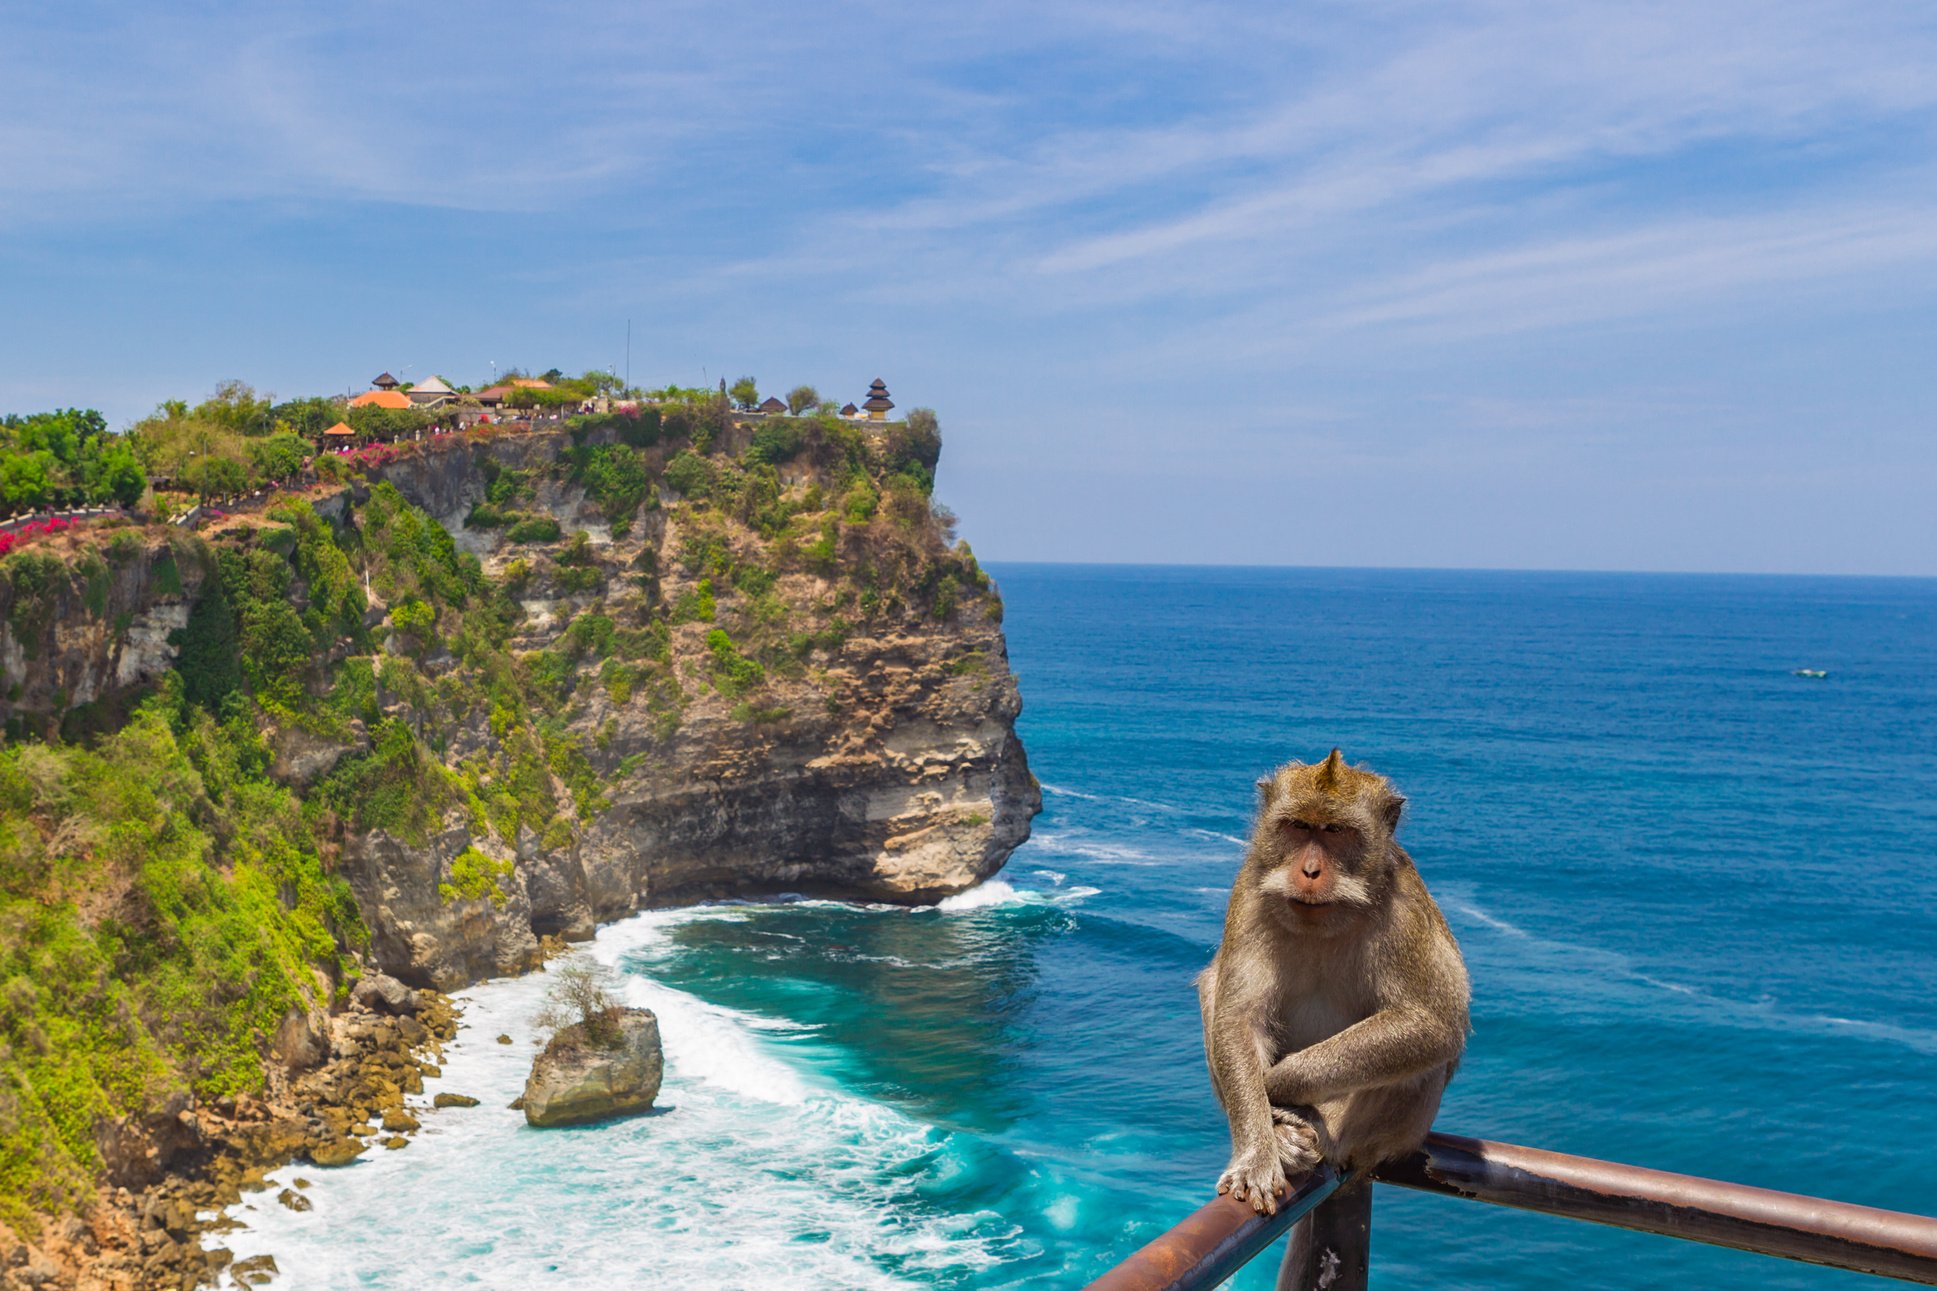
1372,209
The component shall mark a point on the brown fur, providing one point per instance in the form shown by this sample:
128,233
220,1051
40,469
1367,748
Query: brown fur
1336,1008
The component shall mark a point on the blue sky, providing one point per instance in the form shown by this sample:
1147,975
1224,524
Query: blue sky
1558,285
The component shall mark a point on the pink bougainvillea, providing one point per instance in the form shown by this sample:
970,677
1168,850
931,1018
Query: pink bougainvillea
32,529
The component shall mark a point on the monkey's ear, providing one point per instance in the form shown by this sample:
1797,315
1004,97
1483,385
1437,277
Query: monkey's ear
1390,809
1266,784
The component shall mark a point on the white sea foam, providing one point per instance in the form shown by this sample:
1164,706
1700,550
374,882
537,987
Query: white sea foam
1112,853
990,892
1060,792
748,1172
997,892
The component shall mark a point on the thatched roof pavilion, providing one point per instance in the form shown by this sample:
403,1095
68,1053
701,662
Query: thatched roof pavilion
386,382
878,403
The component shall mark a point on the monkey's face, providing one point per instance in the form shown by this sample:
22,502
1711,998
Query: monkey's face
1323,844
1325,872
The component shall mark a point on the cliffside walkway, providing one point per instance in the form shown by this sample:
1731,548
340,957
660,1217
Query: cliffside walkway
73,515
222,512
1331,1222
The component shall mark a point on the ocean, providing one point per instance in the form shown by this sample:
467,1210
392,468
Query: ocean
1694,893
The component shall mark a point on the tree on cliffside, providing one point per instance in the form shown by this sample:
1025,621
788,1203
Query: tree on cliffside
745,392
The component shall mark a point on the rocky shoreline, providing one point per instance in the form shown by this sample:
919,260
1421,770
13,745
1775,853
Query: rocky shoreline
182,1169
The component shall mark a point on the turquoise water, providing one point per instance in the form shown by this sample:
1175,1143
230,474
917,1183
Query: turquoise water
1694,891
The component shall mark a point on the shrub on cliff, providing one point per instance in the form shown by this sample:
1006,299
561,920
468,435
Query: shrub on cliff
534,528
579,995
415,621
636,427
408,553
486,516
776,440
614,476
695,606
276,646
33,581
689,475
859,502
210,667
733,673
396,786
475,876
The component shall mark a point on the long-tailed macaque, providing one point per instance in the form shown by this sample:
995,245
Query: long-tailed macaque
1335,1009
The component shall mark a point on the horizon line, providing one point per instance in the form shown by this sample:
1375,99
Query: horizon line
1448,569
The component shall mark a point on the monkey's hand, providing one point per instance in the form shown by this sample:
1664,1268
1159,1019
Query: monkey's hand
1298,1146
1255,1176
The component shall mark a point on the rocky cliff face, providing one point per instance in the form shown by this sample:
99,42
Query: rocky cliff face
85,618
884,767
751,677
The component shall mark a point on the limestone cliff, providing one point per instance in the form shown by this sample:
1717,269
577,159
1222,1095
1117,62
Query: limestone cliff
687,663
86,619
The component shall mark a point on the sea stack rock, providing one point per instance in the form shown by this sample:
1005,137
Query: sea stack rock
596,1075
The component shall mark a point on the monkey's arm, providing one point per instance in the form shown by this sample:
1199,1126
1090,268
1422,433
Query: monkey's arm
1392,1044
1231,1039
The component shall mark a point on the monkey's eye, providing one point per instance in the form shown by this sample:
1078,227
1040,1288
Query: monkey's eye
1302,826
1334,828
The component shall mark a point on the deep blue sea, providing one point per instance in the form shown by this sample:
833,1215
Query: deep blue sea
1695,893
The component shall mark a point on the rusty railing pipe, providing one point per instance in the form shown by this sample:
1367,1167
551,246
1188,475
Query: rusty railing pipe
1215,1242
1218,1240
1834,1233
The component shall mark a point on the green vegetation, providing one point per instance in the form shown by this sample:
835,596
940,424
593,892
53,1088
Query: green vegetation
236,439
475,877
33,581
535,528
226,911
696,606
613,475
690,475
66,459
733,673
776,440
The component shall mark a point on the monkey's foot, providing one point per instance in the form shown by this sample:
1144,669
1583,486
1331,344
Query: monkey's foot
1256,1178
1298,1147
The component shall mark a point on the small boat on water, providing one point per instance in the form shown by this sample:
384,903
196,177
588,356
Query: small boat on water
1814,673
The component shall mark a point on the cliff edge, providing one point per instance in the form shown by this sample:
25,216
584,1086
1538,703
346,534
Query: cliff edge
818,704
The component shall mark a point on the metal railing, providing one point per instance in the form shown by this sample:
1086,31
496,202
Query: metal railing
1332,1243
